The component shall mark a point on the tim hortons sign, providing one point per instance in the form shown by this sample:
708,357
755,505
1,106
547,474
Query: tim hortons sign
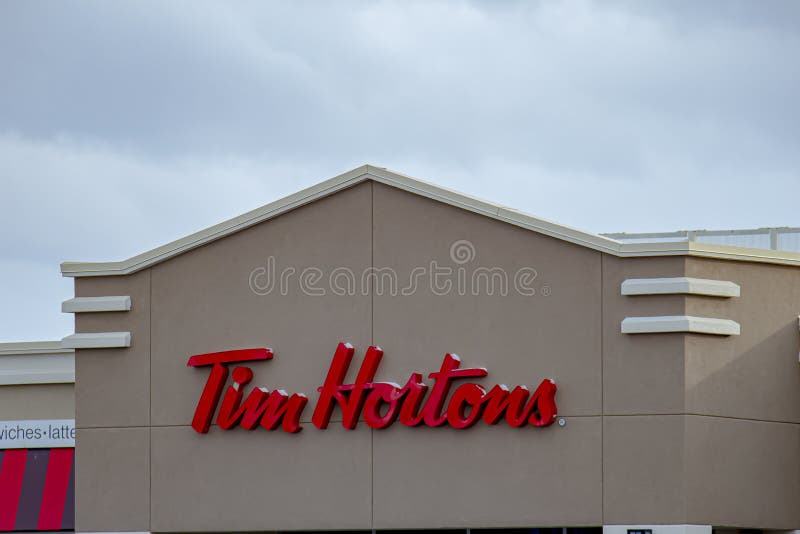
379,403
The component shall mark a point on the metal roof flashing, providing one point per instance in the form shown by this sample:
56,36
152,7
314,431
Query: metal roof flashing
434,192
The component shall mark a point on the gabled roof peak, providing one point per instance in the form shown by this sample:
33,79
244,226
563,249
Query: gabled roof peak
394,179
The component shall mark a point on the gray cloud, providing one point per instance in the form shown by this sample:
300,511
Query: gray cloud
125,125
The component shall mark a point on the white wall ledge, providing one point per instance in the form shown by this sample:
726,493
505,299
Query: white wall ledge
680,323
96,304
41,362
681,285
21,377
97,340
33,347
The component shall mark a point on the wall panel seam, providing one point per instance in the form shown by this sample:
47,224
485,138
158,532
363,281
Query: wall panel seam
150,398
602,389
588,416
693,414
372,341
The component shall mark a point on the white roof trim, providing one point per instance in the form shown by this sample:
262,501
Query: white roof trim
38,362
680,285
97,340
406,183
37,369
680,323
33,347
96,304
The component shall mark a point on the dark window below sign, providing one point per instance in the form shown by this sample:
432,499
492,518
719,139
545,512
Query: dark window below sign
640,531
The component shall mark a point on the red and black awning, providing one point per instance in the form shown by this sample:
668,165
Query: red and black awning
37,489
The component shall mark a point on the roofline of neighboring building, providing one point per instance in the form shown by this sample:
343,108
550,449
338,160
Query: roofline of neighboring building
424,189
33,347
36,362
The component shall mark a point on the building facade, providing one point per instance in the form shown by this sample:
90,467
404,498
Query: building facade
37,437
378,353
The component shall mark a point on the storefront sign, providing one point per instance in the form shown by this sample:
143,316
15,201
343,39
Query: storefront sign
37,434
379,403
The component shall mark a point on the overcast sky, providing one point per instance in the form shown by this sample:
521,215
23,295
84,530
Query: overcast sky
126,125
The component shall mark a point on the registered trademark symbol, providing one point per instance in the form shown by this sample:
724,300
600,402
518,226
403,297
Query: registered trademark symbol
546,290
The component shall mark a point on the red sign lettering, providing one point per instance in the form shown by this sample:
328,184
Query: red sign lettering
379,403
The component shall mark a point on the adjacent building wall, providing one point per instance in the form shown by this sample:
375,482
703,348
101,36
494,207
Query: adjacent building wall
36,381
37,410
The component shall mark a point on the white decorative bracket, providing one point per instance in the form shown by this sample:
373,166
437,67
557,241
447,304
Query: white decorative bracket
680,323
97,340
96,304
680,286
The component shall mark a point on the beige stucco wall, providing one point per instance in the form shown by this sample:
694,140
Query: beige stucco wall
443,475
754,375
644,442
745,394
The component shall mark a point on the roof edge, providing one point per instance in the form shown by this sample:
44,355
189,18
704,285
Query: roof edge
434,192
709,250
33,347
217,231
